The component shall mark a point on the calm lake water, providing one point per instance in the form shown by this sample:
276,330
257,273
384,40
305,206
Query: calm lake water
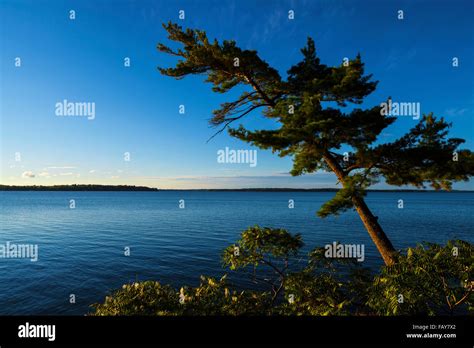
81,250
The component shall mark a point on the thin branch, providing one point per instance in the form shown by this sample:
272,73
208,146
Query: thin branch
230,120
464,298
446,289
277,291
351,168
257,88
274,267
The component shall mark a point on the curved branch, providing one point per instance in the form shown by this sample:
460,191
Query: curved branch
230,120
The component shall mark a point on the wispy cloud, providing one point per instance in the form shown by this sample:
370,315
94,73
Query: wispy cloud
61,167
398,57
240,181
456,111
28,175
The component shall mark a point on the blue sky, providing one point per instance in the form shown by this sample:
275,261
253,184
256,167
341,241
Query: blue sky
137,108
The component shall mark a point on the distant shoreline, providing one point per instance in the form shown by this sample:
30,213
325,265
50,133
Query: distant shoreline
130,188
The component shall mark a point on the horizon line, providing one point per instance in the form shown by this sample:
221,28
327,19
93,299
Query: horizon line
96,187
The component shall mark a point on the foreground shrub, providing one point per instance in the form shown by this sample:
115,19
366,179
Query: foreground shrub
427,279
430,279
211,297
145,298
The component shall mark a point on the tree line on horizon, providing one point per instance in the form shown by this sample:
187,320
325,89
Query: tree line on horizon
76,187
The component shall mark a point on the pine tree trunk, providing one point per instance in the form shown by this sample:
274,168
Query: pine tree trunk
376,232
380,239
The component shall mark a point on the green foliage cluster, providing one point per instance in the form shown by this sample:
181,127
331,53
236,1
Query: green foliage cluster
211,297
431,279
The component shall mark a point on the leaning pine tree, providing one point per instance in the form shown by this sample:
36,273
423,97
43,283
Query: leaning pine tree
313,133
